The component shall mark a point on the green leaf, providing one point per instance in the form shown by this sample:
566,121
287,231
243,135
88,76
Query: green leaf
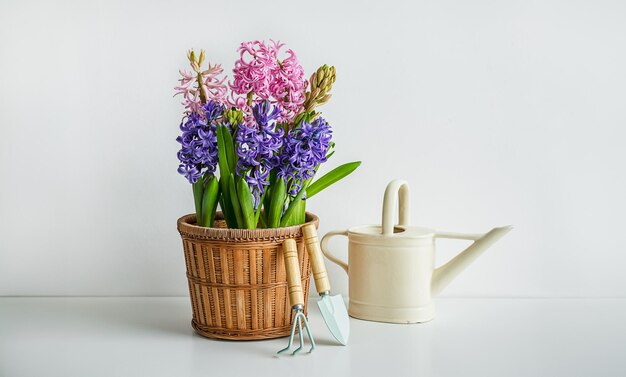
230,148
224,148
331,150
291,215
279,193
245,202
235,201
198,189
226,202
302,212
257,214
267,200
299,213
331,177
209,201
221,152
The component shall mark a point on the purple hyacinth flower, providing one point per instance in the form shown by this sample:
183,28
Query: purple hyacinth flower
212,111
305,147
264,112
198,153
190,172
257,146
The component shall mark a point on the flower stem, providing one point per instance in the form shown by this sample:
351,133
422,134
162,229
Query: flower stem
203,95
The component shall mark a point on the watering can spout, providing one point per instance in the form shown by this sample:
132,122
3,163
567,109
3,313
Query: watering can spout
444,275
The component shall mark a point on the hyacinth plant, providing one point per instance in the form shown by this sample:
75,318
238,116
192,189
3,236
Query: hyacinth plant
262,132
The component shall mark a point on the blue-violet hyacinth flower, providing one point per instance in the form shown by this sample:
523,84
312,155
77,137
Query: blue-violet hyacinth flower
305,147
198,152
257,145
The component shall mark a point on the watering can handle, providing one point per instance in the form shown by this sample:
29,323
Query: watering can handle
324,247
396,188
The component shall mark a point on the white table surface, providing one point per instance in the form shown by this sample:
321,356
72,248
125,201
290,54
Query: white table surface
82,337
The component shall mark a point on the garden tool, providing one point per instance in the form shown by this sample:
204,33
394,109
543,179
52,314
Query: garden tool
296,296
333,308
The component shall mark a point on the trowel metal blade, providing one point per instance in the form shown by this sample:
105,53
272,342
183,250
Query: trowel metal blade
336,317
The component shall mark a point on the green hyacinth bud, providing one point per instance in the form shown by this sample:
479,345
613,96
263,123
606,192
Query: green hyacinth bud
234,116
201,60
313,81
320,75
322,82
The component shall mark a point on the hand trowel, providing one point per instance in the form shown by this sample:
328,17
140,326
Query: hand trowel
332,307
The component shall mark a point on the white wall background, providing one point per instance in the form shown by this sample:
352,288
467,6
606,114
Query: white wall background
496,112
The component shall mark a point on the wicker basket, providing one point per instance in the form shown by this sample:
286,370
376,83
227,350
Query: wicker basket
237,280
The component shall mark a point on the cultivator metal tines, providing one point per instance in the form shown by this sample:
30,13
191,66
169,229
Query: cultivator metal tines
296,297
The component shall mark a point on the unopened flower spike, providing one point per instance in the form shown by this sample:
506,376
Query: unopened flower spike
321,83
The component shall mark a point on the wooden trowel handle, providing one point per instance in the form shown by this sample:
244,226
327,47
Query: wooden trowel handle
317,259
292,267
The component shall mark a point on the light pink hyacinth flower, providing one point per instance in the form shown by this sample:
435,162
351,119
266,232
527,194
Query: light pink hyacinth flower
212,86
260,72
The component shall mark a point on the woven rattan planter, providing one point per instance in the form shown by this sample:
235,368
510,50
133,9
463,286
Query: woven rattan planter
237,280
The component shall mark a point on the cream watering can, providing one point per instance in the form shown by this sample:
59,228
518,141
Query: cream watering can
391,271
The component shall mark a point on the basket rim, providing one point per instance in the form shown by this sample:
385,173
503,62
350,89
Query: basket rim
187,227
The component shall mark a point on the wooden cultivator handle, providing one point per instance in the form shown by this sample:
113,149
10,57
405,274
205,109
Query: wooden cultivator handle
317,259
292,267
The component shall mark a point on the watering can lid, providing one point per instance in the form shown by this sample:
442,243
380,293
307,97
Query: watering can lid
399,231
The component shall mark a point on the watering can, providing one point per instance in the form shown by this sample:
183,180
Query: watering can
391,269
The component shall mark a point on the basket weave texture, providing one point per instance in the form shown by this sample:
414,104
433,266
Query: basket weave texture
237,280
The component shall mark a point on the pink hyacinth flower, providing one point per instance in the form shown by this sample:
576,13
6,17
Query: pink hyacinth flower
212,87
260,72
288,86
252,69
